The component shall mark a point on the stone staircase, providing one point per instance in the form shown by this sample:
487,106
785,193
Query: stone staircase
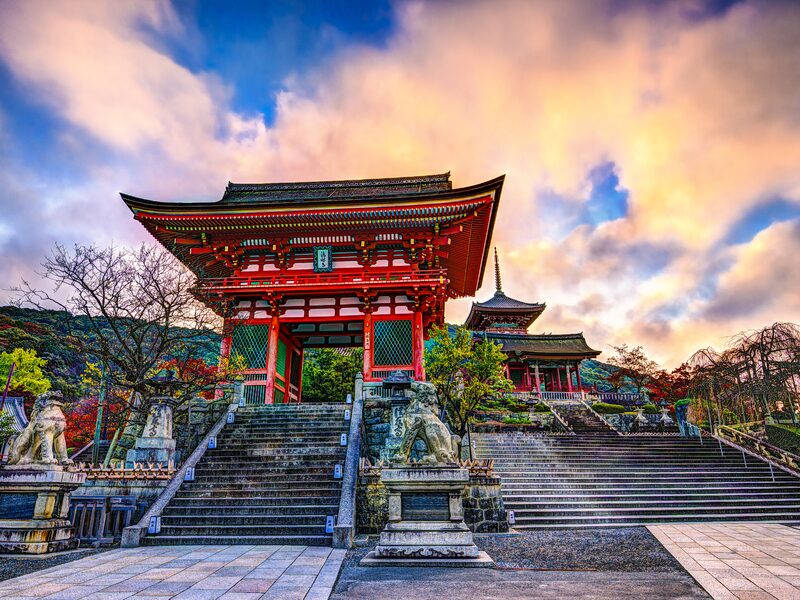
583,421
602,479
270,480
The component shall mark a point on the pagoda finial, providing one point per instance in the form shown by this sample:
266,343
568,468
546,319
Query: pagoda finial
497,284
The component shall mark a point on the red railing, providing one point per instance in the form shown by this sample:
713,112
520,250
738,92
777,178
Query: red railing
299,281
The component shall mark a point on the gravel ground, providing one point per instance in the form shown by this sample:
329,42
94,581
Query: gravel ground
611,564
623,549
14,566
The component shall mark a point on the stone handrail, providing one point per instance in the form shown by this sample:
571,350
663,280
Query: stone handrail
344,530
778,456
132,536
626,399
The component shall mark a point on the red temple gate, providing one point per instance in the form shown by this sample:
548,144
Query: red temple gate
363,263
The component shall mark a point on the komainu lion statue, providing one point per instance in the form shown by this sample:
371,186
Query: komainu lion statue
420,421
42,441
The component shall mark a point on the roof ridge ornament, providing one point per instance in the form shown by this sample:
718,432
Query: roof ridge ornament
497,283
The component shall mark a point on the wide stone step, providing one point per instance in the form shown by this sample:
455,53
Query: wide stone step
265,501
661,487
683,504
244,530
264,469
645,519
278,483
261,540
722,493
246,520
289,507
610,474
234,462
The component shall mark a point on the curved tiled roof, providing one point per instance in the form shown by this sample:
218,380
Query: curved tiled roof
323,190
503,302
553,345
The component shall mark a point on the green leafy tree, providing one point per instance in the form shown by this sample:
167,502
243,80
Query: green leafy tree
466,374
329,374
6,429
28,375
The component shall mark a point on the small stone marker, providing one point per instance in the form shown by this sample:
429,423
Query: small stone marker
241,401
343,440
230,418
347,414
212,442
329,524
189,474
349,398
337,472
154,526
511,518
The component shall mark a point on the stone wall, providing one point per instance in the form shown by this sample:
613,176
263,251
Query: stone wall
483,505
377,426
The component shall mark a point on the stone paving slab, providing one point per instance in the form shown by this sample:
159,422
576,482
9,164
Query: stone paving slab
186,573
737,561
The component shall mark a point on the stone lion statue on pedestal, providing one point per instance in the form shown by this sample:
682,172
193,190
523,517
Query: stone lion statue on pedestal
420,421
42,441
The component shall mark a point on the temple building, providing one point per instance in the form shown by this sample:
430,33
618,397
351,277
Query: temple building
543,362
365,263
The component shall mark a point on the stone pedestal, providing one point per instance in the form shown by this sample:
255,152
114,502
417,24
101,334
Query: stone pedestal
34,509
426,520
156,444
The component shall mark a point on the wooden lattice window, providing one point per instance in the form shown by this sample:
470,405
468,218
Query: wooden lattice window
251,341
392,343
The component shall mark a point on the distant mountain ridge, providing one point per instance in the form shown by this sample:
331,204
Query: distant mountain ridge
46,332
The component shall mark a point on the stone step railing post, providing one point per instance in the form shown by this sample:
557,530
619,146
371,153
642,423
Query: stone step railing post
345,528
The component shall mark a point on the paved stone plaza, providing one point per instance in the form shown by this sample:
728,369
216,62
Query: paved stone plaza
746,561
187,573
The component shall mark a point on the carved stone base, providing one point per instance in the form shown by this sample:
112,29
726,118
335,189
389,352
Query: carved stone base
482,560
36,536
34,506
426,520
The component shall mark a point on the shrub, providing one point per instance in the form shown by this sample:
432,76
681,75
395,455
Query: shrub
604,408
517,419
541,407
683,402
651,409
785,437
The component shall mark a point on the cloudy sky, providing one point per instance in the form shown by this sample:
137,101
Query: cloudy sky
652,151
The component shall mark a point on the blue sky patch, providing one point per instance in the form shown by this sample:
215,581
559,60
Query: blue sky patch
761,217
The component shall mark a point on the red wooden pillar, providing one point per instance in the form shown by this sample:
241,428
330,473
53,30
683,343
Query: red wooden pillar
569,377
578,374
272,359
224,352
558,379
527,374
367,346
226,343
536,376
302,358
418,341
